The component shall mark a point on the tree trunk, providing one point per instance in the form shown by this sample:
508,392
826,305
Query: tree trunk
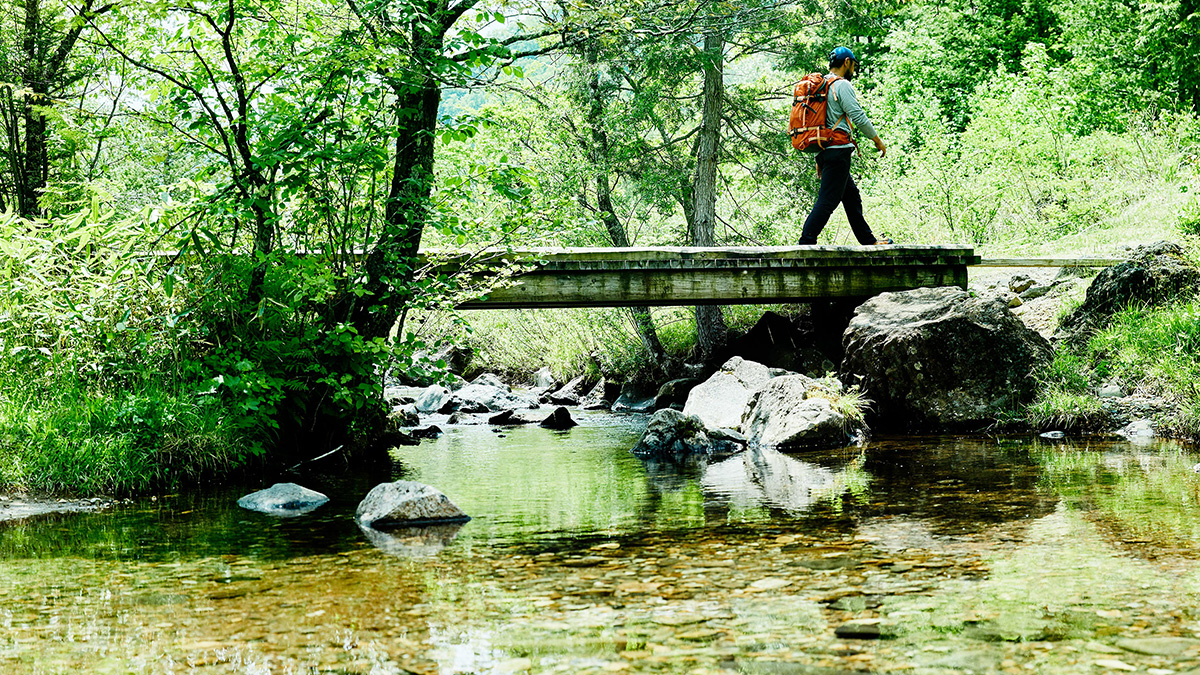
41,68
710,324
393,261
32,165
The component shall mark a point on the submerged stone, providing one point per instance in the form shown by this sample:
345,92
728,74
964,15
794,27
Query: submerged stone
407,503
1159,646
865,629
283,499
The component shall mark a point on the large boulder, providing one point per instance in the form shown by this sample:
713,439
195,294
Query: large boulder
794,412
940,359
284,500
406,504
720,400
1154,274
673,435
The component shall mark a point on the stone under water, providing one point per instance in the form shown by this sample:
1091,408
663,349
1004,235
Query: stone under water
283,499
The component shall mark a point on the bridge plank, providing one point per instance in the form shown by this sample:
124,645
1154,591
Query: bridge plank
634,288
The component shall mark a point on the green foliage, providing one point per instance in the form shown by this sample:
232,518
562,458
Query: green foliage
95,396
1153,351
1189,216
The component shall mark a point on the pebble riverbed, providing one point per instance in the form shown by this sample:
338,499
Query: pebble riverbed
935,556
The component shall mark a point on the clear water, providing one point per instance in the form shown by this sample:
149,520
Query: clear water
965,555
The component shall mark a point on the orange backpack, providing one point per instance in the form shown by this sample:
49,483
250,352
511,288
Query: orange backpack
806,126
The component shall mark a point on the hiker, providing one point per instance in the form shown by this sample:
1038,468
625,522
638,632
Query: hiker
833,163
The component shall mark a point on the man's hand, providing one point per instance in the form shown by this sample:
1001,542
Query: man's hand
880,146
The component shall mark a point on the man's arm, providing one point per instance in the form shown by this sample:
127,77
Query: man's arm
848,99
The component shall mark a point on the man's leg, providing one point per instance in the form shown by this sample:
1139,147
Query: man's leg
835,171
852,202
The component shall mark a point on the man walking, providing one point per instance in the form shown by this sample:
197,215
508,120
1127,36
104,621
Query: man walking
833,163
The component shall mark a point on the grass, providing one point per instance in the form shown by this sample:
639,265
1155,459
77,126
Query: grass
59,436
1151,351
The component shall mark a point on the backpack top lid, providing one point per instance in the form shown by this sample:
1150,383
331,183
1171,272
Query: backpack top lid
841,54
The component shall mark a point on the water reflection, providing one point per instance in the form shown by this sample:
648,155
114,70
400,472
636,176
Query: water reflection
974,554
766,477
412,542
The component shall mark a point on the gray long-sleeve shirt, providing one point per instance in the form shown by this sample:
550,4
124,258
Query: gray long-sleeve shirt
844,101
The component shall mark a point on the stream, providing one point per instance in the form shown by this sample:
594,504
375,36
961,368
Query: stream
919,555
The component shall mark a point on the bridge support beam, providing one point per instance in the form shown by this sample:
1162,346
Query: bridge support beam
699,276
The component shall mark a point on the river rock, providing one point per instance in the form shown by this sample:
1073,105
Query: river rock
559,420
720,400
602,396
938,358
1138,431
491,380
432,398
671,434
1020,283
454,405
674,392
407,503
795,412
862,629
1154,274
510,418
431,431
1037,291
570,393
283,499
1159,646
543,378
486,397
634,397
404,416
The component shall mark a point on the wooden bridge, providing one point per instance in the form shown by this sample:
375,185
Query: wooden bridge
631,277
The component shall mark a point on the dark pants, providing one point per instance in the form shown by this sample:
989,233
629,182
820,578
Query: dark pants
837,187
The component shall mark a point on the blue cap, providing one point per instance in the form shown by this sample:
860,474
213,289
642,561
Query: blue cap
842,53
